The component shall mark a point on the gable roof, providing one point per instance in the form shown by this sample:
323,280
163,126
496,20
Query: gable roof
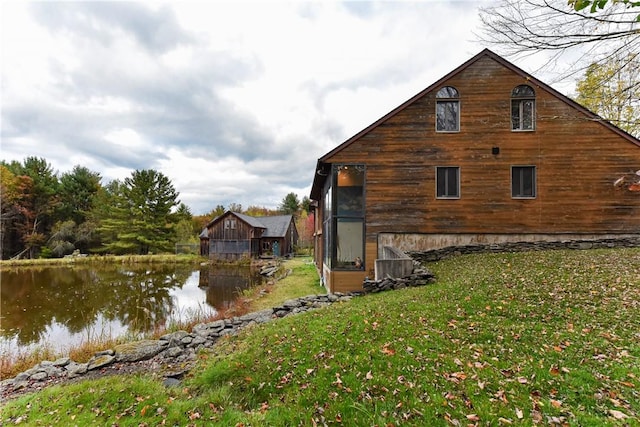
274,226
322,171
505,63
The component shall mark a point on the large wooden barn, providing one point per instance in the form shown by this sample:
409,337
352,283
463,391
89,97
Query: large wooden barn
233,236
487,154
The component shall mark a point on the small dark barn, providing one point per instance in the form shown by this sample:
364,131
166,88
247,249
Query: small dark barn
233,236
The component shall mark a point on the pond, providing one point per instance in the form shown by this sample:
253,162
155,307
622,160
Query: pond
61,307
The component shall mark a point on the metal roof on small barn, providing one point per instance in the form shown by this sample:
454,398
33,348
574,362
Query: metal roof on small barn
251,220
276,226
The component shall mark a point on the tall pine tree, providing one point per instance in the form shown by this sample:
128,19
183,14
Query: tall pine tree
140,216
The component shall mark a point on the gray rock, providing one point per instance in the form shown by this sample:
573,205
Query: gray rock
171,382
198,340
292,303
50,370
39,376
19,385
139,350
206,329
63,361
261,316
23,376
76,369
97,362
175,338
172,352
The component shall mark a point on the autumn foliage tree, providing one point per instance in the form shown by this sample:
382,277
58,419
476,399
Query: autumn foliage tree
612,90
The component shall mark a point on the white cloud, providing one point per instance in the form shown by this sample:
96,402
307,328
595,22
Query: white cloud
233,101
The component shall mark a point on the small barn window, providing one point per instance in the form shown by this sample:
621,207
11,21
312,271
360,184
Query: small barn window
447,110
447,182
523,182
523,108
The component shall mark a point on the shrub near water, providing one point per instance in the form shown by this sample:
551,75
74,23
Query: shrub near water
530,338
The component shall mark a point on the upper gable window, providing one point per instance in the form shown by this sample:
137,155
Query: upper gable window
447,110
523,108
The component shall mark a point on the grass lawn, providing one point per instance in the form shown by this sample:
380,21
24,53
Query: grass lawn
546,338
302,281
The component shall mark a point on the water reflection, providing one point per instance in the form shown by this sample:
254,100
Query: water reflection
224,283
63,306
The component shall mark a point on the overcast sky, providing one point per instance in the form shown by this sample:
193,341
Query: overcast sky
233,101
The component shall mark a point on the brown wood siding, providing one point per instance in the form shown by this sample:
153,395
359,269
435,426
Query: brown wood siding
243,231
577,160
346,281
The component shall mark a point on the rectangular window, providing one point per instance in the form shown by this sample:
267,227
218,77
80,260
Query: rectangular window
447,116
348,211
522,114
523,182
327,220
447,182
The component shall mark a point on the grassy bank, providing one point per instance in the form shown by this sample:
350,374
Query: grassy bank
548,338
96,259
303,280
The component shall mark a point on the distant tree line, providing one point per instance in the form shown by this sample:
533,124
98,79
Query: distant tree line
44,214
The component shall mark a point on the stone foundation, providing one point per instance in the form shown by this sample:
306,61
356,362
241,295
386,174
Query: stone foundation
443,253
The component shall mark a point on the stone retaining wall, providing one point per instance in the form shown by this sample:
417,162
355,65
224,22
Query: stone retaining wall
178,347
419,277
443,253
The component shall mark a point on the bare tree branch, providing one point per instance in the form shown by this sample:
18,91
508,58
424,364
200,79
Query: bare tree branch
530,26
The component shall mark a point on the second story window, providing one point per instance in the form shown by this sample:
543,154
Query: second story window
447,110
523,108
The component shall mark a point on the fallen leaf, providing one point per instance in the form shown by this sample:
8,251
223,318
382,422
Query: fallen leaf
369,375
618,415
388,351
519,413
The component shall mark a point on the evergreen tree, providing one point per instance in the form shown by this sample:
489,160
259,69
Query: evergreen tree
290,204
141,218
78,190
